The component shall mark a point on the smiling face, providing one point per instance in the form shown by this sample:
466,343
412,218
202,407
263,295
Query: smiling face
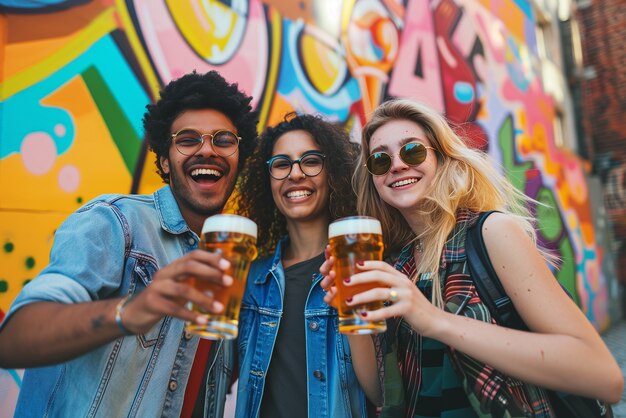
202,182
403,186
298,197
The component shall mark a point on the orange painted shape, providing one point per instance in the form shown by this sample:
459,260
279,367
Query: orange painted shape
34,37
91,166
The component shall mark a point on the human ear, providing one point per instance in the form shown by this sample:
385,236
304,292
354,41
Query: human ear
165,164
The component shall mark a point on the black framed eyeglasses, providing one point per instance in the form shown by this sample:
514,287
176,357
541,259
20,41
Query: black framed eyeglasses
311,164
189,141
413,153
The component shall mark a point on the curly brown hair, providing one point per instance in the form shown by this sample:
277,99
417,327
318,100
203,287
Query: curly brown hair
254,197
199,91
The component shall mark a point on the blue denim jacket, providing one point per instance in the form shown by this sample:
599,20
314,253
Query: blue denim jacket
335,391
111,247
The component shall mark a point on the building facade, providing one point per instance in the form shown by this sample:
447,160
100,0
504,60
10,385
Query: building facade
603,85
75,77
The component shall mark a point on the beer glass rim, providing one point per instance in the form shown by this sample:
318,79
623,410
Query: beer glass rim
228,222
365,224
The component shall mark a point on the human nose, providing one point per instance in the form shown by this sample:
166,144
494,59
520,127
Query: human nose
206,147
397,164
296,175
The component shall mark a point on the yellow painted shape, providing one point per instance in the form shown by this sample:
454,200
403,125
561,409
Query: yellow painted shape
322,63
200,30
150,180
44,67
36,36
346,13
24,55
274,61
280,107
514,20
93,153
31,235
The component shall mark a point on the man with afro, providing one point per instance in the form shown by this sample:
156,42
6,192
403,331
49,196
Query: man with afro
100,330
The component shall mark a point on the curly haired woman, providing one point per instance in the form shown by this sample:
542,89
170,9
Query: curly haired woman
293,362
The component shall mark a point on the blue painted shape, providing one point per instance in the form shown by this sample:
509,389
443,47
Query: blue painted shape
463,92
33,4
295,87
526,8
16,377
23,112
515,68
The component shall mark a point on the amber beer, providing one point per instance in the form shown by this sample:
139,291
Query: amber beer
235,236
354,239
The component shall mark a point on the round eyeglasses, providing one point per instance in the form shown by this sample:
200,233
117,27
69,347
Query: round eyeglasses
413,153
311,164
189,141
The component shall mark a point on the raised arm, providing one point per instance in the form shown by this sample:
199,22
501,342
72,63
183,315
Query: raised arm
43,333
549,356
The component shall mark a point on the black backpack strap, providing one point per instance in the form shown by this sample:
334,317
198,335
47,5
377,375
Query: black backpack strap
501,307
486,280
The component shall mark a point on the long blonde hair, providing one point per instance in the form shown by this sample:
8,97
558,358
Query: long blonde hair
466,179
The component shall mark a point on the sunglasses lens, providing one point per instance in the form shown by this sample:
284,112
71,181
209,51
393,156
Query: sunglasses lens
378,163
413,154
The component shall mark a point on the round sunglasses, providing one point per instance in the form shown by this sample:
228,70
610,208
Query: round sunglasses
413,153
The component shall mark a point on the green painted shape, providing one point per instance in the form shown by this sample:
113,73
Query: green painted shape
548,217
567,271
30,262
25,282
79,200
516,173
9,247
4,286
122,132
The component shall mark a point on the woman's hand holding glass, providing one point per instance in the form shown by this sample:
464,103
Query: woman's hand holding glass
403,297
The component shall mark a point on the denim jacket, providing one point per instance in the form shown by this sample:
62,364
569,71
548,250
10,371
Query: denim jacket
111,247
332,385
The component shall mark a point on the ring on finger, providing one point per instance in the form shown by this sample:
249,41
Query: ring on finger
393,295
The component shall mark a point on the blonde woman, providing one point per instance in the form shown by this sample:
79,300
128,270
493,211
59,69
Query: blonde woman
449,358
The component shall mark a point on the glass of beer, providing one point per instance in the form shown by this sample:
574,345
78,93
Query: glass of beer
235,236
354,239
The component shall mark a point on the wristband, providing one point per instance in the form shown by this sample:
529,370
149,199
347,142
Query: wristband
119,308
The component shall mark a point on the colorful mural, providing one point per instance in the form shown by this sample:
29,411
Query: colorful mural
75,78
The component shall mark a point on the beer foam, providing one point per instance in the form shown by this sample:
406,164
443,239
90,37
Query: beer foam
229,223
354,225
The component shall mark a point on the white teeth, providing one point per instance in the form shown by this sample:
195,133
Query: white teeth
404,182
298,193
206,171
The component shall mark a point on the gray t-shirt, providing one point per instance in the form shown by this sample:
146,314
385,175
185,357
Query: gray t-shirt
285,393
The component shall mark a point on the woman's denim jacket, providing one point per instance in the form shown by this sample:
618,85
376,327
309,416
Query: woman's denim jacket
332,385
109,248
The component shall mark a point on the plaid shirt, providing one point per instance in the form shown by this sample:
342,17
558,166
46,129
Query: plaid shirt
415,388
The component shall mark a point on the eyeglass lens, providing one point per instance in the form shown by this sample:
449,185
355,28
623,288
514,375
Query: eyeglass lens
188,142
310,164
379,163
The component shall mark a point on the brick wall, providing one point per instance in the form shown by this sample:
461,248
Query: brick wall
603,30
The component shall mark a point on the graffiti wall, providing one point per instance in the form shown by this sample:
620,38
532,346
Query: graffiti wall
75,78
